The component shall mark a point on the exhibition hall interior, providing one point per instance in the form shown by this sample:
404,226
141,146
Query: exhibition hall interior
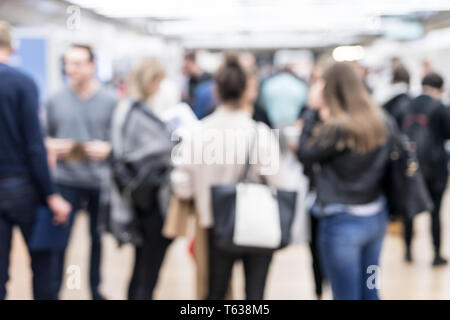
128,130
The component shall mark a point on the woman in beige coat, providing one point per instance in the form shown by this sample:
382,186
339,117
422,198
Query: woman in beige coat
214,154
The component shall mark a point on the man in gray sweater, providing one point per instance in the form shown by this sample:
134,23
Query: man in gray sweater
78,128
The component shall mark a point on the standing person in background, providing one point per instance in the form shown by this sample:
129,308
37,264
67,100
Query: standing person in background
283,95
148,222
427,122
322,63
78,129
194,180
250,102
427,67
346,134
363,72
199,93
24,174
398,99
250,99
396,62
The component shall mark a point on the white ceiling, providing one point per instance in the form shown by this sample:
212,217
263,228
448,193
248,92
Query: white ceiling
265,23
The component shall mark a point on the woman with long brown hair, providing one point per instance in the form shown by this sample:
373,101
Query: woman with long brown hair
345,138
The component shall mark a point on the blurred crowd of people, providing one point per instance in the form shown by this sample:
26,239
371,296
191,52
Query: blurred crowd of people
114,158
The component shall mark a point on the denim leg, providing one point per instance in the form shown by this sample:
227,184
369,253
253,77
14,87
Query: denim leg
370,259
340,253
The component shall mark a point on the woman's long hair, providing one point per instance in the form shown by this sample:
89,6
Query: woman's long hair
357,120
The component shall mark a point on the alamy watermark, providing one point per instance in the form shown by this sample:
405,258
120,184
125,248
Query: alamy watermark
210,146
73,281
73,21
374,280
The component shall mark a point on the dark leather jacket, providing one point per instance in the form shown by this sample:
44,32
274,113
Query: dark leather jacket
342,176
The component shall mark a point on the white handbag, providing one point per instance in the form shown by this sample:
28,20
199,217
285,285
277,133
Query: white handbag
257,221
252,217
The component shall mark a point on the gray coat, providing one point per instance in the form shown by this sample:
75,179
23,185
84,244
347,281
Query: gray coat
137,134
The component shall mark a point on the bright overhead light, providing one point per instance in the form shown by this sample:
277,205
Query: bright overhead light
348,53
215,20
196,8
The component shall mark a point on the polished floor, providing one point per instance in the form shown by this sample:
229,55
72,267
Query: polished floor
290,275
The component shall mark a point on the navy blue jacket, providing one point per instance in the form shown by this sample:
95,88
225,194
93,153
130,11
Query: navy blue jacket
22,150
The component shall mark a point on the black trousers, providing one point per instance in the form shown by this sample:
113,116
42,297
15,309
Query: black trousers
18,207
256,268
148,257
316,265
435,224
88,199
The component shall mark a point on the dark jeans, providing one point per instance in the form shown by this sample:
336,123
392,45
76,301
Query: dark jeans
149,256
18,206
316,265
256,268
89,200
435,224
348,246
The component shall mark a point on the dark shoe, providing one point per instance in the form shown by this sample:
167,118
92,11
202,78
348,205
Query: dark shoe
98,296
408,256
439,261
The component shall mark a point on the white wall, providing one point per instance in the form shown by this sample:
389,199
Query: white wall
111,42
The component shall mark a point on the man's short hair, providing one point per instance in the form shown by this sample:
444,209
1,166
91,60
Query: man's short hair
191,56
5,35
433,80
88,48
400,74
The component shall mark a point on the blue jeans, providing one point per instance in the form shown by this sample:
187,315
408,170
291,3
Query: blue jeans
18,206
348,246
87,199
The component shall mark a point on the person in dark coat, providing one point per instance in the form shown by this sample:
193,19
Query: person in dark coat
399,97
427,123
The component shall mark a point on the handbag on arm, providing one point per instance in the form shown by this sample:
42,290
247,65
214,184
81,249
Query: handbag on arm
252,217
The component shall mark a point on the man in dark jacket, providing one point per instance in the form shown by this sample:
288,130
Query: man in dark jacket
399,98
199,93
24,174
427,123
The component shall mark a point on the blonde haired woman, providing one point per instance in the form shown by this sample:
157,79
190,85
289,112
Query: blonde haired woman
141,156
146,78
345,136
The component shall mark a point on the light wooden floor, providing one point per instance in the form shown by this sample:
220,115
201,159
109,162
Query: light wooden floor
290,276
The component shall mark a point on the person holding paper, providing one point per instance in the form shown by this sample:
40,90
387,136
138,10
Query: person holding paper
78,129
